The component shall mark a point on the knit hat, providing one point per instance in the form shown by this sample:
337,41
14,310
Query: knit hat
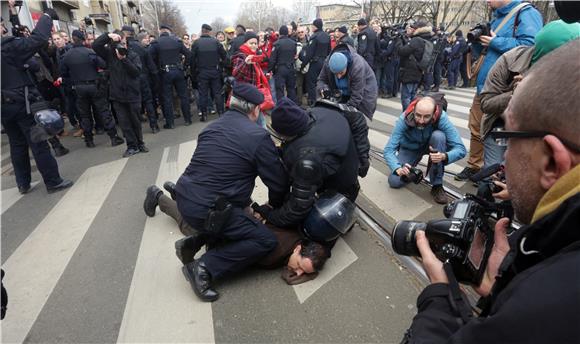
554,35
165,26
249,35
288,118
206,27
362,21
459,33
128,28
318,23
337,62
343,29
78,34
283,30
248,93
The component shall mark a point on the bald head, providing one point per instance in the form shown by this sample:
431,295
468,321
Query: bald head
547,99
425,105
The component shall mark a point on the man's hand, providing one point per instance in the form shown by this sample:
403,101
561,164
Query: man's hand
363,169
249,59
486,40
263,211
115,37
51,13
432,265
437,157
504,195
404,170
517,79
500,249
119,56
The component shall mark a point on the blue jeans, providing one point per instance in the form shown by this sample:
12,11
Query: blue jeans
408,92
412,157
492,153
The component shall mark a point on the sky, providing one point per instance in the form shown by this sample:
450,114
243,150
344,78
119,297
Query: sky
198,12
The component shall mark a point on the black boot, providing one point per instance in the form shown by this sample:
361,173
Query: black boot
204,116
60,150
170,187
89,142
186,248
151,200
116,140
200,279
61,186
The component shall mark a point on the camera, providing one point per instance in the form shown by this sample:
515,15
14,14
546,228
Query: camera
415,176
335,96
88,21
121,50
464,238
397,30
481,29
18,3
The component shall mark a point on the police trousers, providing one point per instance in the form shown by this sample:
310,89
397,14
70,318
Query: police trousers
128,115
174,78
210,83
285,77
88,96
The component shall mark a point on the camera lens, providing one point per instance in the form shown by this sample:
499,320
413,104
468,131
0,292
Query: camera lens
404,237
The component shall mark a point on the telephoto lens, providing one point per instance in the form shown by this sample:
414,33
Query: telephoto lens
404,237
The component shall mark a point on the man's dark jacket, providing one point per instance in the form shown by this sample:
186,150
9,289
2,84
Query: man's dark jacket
536,296
411,54
368,45
124,86
329,146
231,152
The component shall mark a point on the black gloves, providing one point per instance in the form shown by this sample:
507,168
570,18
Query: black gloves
51,13
264,209
363,169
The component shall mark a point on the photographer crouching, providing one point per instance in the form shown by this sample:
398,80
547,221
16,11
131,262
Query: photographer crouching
423,128
530,279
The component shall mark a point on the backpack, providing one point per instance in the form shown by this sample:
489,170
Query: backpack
426,62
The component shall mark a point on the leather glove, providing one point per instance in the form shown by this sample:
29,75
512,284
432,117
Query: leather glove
51,13
363,169
264,210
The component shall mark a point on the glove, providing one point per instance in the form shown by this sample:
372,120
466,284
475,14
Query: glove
51,13
264,210
363,169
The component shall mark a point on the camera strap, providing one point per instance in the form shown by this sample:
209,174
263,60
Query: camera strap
456,298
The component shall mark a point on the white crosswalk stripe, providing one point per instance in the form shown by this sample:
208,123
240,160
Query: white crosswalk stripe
11,196
37,264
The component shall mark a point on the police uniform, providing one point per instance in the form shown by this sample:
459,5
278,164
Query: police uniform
17,120
456,57
166,52
315,54
282,64
80,65
367,45
207,58
231,152
148,72
439,45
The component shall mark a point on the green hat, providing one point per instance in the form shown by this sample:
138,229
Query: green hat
554,35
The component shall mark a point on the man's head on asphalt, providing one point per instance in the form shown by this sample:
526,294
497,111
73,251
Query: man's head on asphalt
544,108
307,258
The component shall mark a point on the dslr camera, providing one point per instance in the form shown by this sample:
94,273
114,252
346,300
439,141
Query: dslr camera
335,96
481,29
464,238
397,30
415,176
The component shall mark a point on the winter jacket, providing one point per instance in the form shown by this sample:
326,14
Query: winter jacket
536,296
411,54
361,77
412,138
498,88
529,23
124,84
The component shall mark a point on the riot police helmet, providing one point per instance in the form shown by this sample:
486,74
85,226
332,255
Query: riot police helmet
331,216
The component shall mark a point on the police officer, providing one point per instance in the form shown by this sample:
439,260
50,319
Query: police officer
282,64
317,50
148,72
207,58
319,152
439,44
217,185
80,65
367,42
18,93
387,45
166,52
456,57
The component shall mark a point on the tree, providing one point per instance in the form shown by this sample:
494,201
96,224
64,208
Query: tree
304,11
450,13
262,14
159,12
218,24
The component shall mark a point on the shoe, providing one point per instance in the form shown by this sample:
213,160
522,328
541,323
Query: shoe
130,151
188,123
151,200
200,279
168,126
99,131
388,96
24,189
155,129
449,87
170,187
90,144
434,89
439,195
143,149
464,86
186,248
465,174
78,133
142,118
213,111
60,151
203,116
63,185
116,140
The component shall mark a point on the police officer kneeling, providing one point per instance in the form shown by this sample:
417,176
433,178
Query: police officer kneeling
216,186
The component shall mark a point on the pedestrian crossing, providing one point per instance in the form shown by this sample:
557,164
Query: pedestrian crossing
160,305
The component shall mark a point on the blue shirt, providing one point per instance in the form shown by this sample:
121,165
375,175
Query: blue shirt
342,85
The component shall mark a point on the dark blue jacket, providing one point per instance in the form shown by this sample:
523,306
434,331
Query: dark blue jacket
231,152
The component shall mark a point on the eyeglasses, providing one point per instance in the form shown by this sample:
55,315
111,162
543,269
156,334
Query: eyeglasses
501,137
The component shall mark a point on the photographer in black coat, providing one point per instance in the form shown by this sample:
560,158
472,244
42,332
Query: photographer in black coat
124,87
530,287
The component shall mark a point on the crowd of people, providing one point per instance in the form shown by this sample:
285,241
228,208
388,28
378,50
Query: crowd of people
313,90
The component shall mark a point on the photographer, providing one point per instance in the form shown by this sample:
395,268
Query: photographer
514,23
423,128
124,87
530,286
411,53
